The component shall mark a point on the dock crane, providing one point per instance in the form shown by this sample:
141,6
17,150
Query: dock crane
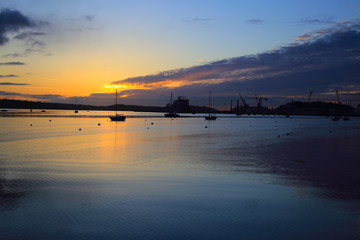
245,105
259,100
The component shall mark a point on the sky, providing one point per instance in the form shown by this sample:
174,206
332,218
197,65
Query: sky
59,51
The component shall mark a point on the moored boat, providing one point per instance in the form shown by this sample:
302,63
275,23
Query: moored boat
117,117
171,114
210,116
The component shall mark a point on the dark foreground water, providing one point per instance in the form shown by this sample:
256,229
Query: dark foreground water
157,178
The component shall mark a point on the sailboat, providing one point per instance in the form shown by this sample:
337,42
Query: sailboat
117,117
210,116
171,114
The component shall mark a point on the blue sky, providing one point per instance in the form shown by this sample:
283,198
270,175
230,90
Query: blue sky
81,47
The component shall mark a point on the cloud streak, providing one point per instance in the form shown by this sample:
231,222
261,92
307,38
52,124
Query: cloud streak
325,20
255,21
197,20
45,97
12,63
13,84
8,76
26,35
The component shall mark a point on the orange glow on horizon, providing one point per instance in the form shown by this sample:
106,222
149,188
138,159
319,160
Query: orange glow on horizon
168,83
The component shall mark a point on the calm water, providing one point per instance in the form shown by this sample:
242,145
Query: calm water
157,178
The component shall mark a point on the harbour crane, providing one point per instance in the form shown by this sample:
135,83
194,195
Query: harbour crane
259,100
245,105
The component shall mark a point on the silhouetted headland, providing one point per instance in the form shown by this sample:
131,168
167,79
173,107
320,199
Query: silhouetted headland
21,104
317,108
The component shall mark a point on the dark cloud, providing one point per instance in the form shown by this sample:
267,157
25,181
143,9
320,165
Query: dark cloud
13,63
12,21
255,21
14,25
8,76
11,83
26,35
321,61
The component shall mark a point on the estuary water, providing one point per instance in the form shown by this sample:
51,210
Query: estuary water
85,177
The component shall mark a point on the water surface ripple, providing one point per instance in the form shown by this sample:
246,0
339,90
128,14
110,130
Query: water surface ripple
187,178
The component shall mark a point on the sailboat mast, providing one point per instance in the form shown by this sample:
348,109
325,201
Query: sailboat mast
116,102
209,101
171,102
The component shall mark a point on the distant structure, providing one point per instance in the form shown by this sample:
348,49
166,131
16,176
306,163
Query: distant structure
246,108
181,105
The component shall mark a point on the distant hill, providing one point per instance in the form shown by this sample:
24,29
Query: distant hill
315,109
294,108
21,104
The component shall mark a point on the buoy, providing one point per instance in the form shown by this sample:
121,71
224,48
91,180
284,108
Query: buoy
79,129
98,124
